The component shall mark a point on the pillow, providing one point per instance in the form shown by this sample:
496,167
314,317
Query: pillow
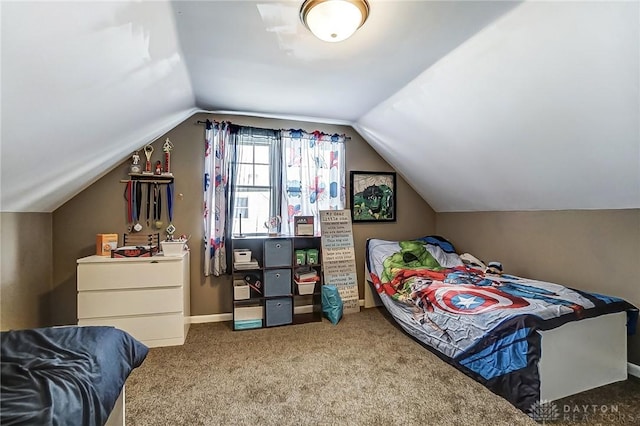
440,242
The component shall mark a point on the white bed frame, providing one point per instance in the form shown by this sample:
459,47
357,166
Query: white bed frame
576,356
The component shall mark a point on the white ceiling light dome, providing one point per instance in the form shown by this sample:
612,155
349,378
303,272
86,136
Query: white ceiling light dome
334,20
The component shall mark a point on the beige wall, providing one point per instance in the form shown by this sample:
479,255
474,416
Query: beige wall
25,270
592,250
101,209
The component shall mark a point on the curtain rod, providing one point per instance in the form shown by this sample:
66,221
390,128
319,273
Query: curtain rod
347,138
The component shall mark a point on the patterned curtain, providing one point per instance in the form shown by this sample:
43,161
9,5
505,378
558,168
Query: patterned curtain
313,167
216,177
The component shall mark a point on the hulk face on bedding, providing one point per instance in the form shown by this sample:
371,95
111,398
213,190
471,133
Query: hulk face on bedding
486,325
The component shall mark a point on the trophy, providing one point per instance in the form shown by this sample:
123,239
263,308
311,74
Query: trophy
148,150
135,165
167,147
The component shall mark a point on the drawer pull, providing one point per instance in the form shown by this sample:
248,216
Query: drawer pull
154,261
278,245
277,275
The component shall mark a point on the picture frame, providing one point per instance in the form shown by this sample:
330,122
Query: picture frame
372,196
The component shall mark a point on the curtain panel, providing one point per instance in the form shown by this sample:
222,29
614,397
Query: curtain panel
313,175
217,153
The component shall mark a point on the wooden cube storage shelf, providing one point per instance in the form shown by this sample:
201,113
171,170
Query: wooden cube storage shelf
272,282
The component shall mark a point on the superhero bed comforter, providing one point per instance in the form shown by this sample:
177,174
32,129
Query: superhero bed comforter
476,318
64,375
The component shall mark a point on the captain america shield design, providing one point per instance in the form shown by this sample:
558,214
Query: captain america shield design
469,300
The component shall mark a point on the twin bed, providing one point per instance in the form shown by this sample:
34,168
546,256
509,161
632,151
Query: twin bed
66,375
526,340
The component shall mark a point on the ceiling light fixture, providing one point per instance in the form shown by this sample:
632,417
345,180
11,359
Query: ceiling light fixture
334,20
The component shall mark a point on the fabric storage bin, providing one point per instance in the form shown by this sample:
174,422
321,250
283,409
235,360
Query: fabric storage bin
241,290
277,282
278,311
277,252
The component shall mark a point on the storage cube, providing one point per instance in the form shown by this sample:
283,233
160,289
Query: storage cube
277,252
241,255
241,290
246,317
277,282
278,311
247,313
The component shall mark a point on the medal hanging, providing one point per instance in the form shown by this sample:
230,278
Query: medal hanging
137,205
127,196
157,206
148,204
170,229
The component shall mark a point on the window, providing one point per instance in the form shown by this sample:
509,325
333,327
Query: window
252,175
254,190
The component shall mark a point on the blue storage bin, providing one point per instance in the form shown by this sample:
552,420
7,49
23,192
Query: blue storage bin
278,252
277,282
278,311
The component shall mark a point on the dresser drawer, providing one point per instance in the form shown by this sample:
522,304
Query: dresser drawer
108,276
97,304
145,328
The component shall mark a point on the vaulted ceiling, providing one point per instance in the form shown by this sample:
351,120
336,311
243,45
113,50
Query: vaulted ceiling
478,105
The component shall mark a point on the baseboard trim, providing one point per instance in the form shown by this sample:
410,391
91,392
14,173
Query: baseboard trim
200,319
633,369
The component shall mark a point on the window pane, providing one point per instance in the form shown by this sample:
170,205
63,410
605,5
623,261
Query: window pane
262,175
245,153
242,210
245,174
262,154
257,211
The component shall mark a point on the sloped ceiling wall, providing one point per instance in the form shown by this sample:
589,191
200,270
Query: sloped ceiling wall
534,106
83,85
539,111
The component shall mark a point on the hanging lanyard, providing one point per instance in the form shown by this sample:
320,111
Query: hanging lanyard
134,201
170,201
148,204
127,197
157,202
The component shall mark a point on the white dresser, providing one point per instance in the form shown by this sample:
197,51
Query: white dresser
148,297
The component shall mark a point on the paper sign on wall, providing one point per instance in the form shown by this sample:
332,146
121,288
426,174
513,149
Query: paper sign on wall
338,256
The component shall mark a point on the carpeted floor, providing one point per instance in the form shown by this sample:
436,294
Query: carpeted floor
364,371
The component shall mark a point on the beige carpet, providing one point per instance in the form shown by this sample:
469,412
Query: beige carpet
364,371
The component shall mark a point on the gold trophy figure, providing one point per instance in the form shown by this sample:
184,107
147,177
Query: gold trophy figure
148,150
